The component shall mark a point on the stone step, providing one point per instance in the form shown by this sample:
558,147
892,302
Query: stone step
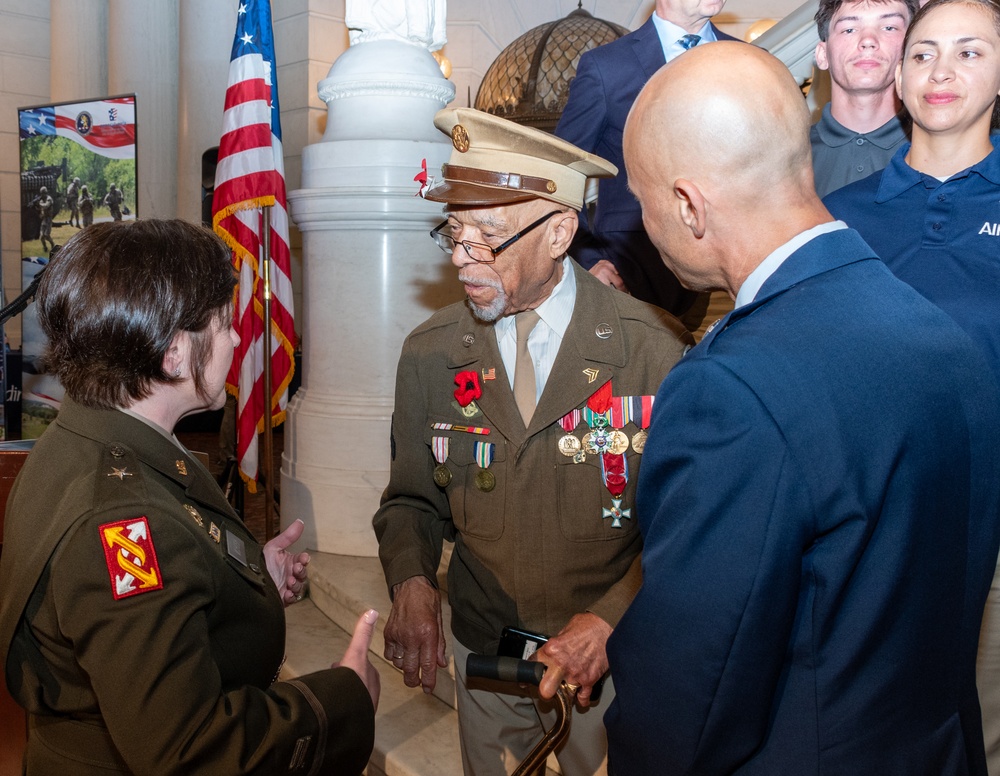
415,734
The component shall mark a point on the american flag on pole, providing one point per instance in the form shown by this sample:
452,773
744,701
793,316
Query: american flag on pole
251,175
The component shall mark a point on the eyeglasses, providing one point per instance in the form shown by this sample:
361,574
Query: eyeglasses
481,252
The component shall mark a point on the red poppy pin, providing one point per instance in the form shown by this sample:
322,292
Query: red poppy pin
468,388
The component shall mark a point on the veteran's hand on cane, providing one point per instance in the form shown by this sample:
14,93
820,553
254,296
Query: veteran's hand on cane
414,632
286,569
356,656
607,273
577,656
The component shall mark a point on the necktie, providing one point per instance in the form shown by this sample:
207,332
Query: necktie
524,370
689,41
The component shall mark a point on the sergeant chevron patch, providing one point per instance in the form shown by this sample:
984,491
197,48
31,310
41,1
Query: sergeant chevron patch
131,557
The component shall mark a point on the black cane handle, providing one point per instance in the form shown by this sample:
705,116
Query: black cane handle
506,669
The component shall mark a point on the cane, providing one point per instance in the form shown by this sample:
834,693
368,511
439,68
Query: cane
510,669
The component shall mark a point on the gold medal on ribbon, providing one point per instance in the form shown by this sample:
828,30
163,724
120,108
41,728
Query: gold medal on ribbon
483,453
639,440
442,475
485,480
618,442
570,445
439,446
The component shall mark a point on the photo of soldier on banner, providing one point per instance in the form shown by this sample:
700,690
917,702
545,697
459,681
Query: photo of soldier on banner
78,167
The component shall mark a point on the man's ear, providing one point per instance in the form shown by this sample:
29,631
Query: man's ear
899,79
177,357
820,54
693,207
563,228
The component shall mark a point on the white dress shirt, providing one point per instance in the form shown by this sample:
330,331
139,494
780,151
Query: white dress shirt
670,33
544,341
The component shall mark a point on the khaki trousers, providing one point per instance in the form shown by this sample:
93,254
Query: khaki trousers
499,724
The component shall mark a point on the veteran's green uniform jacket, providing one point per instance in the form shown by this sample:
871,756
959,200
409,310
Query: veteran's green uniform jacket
537,548
139,625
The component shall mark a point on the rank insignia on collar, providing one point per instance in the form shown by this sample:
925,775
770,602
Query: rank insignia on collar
130,557
121,474
591,374
182,468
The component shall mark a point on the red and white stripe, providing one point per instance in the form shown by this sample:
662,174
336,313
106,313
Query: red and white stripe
250,176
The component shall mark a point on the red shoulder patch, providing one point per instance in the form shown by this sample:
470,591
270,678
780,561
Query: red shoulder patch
131,557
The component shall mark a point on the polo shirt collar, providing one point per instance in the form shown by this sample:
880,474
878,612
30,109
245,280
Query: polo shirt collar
835,134
899,177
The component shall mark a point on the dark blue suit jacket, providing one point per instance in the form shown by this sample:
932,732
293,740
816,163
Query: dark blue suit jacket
819,501
608,79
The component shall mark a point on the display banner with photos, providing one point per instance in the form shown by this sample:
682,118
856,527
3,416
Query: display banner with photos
78,167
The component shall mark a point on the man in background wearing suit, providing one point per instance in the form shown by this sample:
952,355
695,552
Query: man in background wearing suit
820,490
517,433
614,245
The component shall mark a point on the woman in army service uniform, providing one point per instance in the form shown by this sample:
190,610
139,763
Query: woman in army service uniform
141,625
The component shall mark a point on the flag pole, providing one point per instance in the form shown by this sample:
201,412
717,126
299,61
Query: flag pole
268,468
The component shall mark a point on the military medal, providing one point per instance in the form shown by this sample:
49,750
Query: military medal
442,474
645,415
569,445
485,479
614,472
616,513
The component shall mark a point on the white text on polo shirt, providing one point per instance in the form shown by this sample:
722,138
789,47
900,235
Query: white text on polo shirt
991,229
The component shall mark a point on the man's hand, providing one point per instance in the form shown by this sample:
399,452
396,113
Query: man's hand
287,570
356,656
607,273
577,656
414,632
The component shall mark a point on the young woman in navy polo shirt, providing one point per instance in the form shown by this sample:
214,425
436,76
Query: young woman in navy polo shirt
933,214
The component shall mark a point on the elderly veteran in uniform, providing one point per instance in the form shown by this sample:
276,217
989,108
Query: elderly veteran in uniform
517,434
141,625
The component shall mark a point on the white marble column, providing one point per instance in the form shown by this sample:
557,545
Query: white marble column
79,34
142,59
371,273
206,41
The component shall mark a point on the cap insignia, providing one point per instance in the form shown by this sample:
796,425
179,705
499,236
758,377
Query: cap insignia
551,187
460,138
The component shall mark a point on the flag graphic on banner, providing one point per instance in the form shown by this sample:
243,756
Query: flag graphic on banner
106,127
250,176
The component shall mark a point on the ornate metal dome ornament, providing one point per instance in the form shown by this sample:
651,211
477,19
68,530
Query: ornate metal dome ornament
529,81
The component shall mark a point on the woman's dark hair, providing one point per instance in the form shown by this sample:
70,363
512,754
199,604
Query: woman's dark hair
992,7
116,294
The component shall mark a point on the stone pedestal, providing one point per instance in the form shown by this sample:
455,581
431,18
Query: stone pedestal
371,273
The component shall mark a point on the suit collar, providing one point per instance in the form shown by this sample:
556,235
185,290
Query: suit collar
647,48
586,360
821,254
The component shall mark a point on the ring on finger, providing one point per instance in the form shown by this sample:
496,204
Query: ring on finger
571,687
